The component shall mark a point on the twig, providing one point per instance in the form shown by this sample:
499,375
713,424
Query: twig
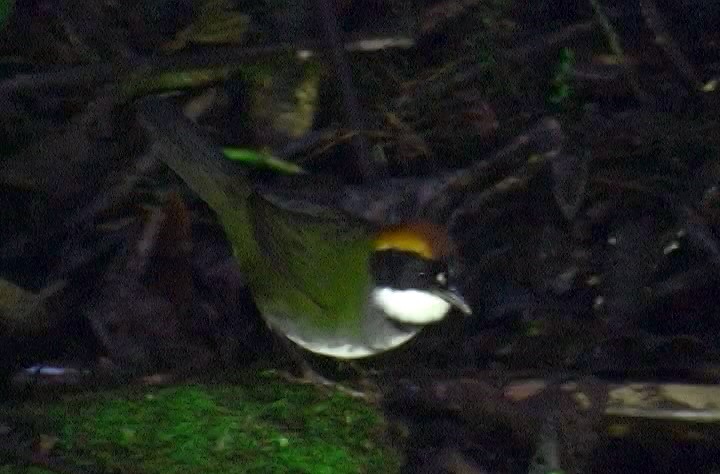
93,75
654,21
616,47
511,184
507,170
545,138
439,15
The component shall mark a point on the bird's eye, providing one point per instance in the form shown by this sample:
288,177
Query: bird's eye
441,278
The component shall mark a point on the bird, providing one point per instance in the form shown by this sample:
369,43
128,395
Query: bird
331,282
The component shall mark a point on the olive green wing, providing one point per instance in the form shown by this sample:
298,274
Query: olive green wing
319,252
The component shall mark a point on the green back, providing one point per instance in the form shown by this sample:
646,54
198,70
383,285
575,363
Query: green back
298,263
318,261
309,262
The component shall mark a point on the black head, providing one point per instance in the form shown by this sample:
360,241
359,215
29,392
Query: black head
411,288
404,270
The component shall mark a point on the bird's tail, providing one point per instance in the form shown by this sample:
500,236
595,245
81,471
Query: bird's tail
192,155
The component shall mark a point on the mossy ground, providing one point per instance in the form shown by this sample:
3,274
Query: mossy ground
264,426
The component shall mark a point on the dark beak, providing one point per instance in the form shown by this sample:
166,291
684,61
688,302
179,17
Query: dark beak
453,296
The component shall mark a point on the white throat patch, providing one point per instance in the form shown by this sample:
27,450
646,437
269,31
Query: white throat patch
410,306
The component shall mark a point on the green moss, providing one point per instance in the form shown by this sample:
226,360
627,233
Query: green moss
262,427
